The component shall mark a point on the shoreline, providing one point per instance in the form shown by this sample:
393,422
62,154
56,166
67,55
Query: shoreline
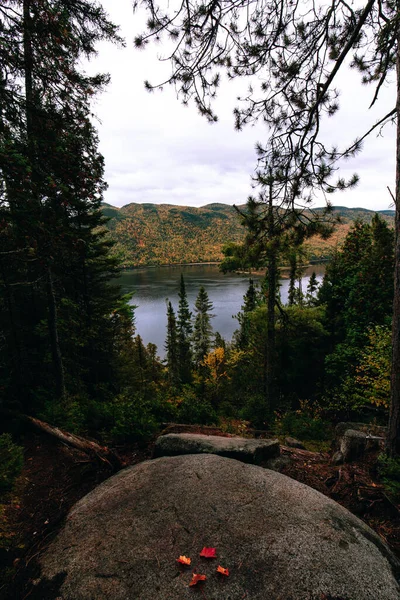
256,272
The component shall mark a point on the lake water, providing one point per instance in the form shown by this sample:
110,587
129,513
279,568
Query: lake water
153,285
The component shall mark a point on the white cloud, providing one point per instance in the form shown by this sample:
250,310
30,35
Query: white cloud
157,150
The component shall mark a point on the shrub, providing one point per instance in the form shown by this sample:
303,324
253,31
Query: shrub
132,419
303,426
389,471
11,462
193,409
256,411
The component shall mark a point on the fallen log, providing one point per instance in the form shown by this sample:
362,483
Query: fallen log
89,447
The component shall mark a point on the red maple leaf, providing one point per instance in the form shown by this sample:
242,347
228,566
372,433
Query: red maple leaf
208,553
222,570
196,577
184,560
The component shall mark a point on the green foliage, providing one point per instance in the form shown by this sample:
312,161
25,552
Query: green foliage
312,288
185,330
11,462
74,414
195,409
65,328
389,471
303,426
132,419
202,329
250,301
301,341
373,369
255,411
357,293
171,346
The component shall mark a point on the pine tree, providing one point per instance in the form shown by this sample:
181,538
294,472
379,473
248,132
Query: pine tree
292,279
312,288
357,295
249,304
184,329
219,341
171,347
63,321
202,331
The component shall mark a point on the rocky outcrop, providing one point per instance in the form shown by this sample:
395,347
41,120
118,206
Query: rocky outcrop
278,538
353,440
243,449
293,443
368,428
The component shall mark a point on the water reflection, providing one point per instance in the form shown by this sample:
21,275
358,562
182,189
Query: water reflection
152,286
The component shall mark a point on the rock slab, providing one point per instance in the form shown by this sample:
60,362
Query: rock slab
352,444
243,449
293,443
280,539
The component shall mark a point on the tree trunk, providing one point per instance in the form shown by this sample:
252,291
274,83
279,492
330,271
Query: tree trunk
28,66
393,437
89,447
54,340
16,354
272,272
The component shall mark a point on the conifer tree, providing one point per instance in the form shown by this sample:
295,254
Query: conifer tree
219,341
171,346
312,288
202,331
292,279
357,294
184,329
63,318
249,304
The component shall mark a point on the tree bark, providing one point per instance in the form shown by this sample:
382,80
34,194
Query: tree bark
272,272
28,66
393,437
54,340
94,450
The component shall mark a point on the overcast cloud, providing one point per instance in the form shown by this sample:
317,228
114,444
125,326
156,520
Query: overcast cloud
158,151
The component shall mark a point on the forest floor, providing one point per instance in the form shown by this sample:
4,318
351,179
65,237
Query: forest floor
55,477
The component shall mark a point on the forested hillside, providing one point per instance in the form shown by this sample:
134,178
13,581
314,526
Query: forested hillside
151,234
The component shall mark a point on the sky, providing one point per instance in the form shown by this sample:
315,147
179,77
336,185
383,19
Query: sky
158,151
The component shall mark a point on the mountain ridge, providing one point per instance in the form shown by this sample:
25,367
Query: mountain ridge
159,234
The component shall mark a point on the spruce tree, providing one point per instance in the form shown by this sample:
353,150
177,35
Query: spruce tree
292,279
312,288
202,331
184,329
171,346
249,304
63,322
219,341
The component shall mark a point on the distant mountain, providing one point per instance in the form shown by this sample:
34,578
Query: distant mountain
160,234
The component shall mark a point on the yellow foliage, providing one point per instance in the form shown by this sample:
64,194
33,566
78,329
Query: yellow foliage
216,364
373,372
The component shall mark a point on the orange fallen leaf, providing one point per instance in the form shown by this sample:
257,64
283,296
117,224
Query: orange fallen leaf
208,553
184,560
196,578
222,570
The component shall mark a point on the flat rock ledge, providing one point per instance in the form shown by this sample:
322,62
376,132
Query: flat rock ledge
280,539
243,449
